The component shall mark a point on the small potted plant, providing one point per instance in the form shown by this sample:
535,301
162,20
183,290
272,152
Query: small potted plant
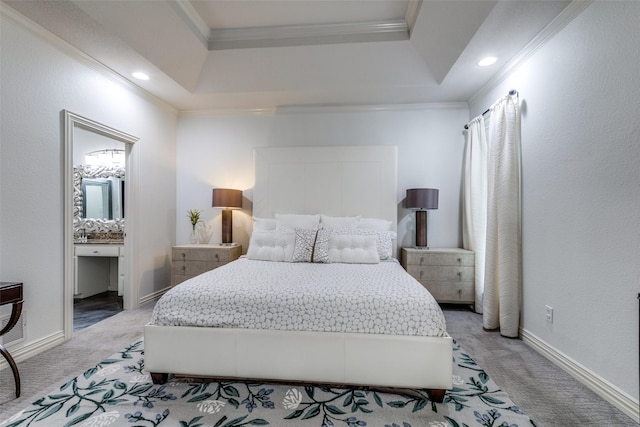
194,218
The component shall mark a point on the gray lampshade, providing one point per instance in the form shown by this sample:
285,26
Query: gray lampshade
422,198
226,198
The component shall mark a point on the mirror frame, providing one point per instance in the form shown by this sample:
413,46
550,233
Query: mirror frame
94,224
72,121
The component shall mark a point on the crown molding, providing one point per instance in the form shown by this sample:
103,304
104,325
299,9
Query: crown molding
298,35
575,8
412,14
323,109
193,19
295,35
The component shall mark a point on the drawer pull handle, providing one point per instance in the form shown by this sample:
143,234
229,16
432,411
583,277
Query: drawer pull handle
421,260
95,252
421,274
217,257
459,260
460,277
184,268
184,255
460,293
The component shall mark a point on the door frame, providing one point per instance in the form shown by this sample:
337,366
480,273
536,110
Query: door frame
131,292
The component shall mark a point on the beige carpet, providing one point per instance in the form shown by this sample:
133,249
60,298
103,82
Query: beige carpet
542,390
550,396
88,347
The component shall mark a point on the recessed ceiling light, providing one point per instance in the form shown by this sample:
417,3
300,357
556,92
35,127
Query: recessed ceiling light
487,61
140,75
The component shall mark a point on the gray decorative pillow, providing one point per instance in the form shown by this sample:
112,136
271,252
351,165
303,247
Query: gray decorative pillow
321,249
303,248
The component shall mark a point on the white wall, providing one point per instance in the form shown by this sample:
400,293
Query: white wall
39,78
581,189
216,151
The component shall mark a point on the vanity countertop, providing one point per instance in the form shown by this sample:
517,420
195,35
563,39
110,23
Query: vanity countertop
99,242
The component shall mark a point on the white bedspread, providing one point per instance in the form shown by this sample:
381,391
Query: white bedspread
358,298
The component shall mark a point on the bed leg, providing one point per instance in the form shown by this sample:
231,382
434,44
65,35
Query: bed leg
159,378
436,395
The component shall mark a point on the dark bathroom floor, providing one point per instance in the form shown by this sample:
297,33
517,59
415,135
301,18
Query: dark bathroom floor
93,309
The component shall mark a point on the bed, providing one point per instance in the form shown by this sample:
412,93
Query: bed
322,262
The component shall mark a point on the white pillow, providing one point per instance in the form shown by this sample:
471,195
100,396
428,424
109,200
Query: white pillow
271,246
384,239
374,224
353,249
264,224
293,221
338,221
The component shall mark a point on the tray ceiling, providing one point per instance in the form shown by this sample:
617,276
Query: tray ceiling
265,54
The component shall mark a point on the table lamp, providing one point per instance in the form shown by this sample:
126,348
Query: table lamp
421,199
227,199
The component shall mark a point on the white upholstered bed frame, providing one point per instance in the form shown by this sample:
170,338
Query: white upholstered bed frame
339,181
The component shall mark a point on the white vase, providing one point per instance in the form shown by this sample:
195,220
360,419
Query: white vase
204,233
193,238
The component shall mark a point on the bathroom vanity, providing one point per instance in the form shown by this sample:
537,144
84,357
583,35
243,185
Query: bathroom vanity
98,267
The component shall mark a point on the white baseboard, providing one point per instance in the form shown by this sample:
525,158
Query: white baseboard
597,384
23,353
153,296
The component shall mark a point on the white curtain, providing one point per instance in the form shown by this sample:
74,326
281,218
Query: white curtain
474,201
503,262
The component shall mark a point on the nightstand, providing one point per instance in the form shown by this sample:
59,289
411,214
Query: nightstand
188,261
448,273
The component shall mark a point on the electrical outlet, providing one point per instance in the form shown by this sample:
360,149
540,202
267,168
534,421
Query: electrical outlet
549,314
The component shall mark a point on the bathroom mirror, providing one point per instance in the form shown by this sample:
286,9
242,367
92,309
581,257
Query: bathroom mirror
96,198
98,158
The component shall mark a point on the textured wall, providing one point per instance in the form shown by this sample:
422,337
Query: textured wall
38,79
216,151
581,189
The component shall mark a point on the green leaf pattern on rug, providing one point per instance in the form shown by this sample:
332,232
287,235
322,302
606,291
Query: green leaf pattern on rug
118,392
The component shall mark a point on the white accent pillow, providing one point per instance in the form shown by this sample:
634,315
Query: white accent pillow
384,239
353,249
271,246
264,224
374,224
338,221
293,221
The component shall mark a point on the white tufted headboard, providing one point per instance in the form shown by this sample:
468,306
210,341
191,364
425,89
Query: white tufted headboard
336,181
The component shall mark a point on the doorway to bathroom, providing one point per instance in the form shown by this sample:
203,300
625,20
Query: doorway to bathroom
97,183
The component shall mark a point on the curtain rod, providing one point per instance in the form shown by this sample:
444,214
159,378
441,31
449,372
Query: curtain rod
512,92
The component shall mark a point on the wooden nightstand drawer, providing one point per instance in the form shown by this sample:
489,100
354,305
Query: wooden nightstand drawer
10,293
448,273
441,272
191,260
193,268
211,254
423,257
452,292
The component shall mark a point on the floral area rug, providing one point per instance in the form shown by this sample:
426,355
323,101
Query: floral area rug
118,392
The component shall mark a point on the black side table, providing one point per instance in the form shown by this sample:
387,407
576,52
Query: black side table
11,293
